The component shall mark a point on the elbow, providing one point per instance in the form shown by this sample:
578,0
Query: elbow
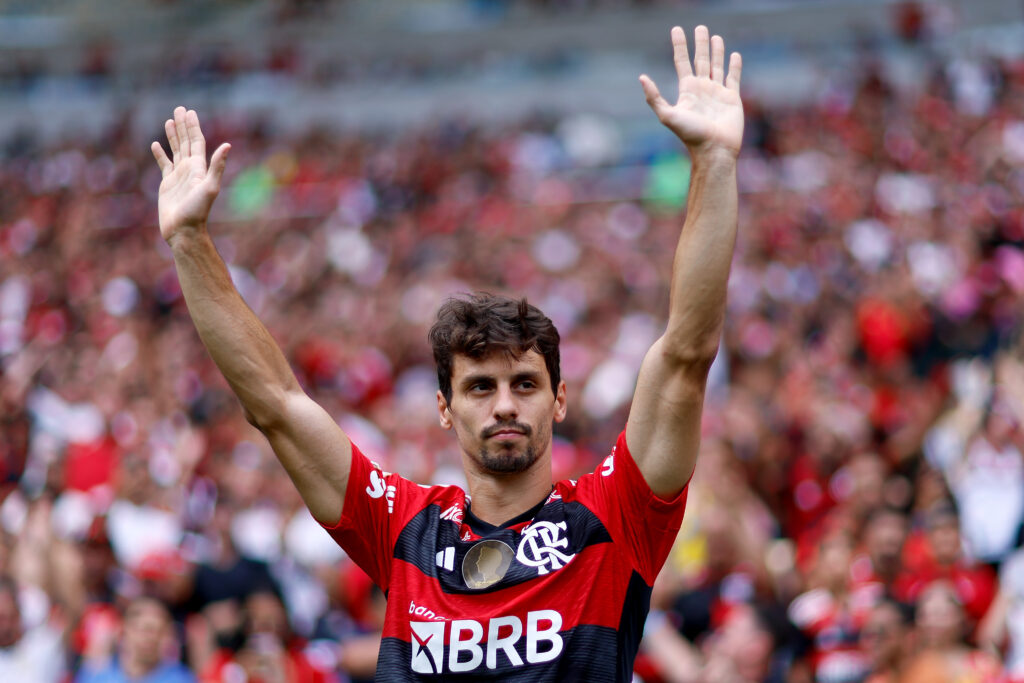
267,413
254,418
690,357
263,420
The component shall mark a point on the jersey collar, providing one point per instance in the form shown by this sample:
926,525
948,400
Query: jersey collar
482,528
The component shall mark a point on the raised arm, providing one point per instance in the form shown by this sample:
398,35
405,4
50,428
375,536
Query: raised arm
663,431
308,442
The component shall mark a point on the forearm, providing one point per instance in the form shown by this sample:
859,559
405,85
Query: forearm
700,269
238,342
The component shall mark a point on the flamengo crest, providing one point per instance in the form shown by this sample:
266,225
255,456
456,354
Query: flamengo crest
540,545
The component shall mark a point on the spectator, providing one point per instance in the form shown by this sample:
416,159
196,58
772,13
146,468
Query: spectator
944,655
1004,623
35,654
830,614
143,653
975,584
885,531
269,651
883,639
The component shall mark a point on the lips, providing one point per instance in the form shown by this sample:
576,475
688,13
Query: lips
506,433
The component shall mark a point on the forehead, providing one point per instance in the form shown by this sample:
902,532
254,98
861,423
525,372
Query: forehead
145,610
885,611
498,364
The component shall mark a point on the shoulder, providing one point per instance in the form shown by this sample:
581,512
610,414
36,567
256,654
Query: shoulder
107,674
377,483
175,672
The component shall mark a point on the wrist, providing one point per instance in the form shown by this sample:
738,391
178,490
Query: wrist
713,155
185,236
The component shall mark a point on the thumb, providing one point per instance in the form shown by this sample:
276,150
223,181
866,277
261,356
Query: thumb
218,162
653,96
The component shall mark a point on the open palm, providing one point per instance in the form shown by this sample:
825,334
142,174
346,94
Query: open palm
709,113
188,187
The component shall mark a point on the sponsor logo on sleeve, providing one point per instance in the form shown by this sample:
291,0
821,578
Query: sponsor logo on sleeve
379,488
609,465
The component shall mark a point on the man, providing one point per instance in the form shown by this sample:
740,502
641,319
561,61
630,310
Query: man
36,654
883,640
142,656
270,652
583,555
942,558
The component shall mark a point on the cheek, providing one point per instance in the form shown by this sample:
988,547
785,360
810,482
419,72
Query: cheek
542,431
466,426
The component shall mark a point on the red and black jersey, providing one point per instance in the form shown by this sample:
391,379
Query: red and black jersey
558,594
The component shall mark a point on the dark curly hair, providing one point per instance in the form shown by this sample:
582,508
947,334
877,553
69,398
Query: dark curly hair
481,323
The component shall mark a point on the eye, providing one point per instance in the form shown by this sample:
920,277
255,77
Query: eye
527,384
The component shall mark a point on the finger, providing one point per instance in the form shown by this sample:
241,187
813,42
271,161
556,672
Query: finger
179,125
653,96
701,56
680,53
172,139
732,81
195,135
218,162
717,59
161,159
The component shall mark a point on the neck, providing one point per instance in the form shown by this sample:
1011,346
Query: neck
135,668
498,498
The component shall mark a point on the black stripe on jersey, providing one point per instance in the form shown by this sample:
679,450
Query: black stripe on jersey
631,627
426,534
588,656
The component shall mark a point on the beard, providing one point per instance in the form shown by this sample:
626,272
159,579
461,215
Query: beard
508,459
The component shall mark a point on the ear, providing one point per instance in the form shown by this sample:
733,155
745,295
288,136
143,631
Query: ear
444,413
560,403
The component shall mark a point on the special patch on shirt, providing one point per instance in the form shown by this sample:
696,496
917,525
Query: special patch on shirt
486,563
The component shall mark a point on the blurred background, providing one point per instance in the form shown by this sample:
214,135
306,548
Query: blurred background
857,510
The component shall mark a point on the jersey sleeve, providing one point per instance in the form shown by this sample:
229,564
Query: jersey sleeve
368,524
638,521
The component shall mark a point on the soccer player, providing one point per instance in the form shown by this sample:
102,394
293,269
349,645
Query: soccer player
521,578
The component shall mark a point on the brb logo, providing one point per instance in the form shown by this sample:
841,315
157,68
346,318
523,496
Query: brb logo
540,545
467,648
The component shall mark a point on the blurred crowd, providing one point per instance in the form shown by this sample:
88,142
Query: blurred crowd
857,509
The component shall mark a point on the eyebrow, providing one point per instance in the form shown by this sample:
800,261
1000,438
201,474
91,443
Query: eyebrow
470,380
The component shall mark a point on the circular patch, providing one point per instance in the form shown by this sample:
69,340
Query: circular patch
486,564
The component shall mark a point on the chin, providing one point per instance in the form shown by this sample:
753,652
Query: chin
508,463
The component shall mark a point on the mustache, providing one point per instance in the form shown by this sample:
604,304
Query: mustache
503,426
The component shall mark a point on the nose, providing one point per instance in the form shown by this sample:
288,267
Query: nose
505,407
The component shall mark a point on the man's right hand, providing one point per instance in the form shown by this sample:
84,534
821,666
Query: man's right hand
307,440
188,187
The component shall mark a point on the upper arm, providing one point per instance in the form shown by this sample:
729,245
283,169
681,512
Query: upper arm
315,452
992,628
663,430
